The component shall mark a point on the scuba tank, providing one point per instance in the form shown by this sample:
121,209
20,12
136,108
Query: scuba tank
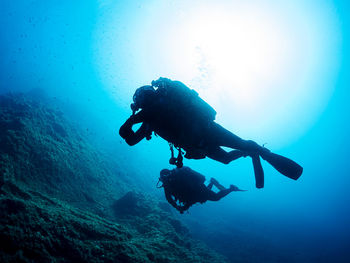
183,100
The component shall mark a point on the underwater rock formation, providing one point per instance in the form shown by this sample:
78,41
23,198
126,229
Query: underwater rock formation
61,200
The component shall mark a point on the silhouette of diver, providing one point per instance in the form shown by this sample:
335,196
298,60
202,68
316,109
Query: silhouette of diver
178,115
184,187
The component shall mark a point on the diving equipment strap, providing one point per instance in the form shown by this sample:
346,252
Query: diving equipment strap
178,160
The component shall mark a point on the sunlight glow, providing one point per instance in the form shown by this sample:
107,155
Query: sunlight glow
267,67
239,54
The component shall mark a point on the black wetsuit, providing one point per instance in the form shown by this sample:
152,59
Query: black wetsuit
187,187
189,129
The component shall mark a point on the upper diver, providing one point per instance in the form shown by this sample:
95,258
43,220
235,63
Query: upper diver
177,114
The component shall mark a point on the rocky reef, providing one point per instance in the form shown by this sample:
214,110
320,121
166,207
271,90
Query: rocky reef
62,200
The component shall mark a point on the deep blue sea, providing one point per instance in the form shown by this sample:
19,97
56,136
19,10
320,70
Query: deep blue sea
276,72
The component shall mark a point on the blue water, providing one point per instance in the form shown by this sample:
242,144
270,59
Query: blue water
93,54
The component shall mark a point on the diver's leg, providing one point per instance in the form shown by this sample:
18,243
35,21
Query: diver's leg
219,136
217,184
210,185
218,154
222,137
212,196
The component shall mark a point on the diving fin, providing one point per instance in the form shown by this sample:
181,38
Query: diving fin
258,171
283,164
236,189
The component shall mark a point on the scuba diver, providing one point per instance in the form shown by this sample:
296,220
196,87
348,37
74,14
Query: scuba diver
184,187
177,114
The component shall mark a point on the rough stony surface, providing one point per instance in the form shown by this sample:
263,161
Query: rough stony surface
61,200
38,147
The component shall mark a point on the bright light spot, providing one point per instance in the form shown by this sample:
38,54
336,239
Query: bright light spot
242,55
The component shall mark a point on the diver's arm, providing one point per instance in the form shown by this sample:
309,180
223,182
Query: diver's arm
180,208
129,135
170,199
133,119
185,207
132,137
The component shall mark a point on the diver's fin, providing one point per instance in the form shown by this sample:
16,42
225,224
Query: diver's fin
258,171
236,189
283,164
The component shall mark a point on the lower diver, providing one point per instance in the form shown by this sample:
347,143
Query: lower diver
184,187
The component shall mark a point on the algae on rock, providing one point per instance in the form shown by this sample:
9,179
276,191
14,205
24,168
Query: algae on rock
61,200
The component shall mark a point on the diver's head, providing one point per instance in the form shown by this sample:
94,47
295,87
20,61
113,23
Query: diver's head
164,174
143,96
163,177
